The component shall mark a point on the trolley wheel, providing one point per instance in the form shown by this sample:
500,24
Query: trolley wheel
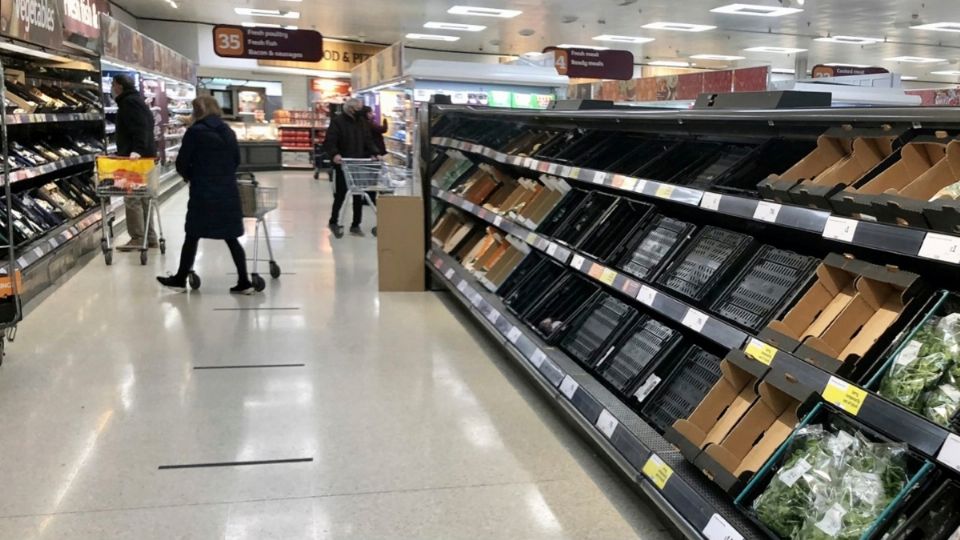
3,349
143,258
258,283
374,231
163,246
193,280
274,270
103,246
108,257
316,174
110,226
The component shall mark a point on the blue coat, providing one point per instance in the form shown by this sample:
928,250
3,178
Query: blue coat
208,161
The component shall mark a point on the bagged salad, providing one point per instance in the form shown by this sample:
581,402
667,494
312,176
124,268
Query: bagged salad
831,486
925,376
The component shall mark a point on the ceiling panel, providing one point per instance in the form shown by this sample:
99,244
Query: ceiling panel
387,21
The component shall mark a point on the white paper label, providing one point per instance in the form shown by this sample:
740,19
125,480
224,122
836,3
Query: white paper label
941,247
833,520
497,221
513,335
909,353
568,387
606,423
646,295
462,286
552,249
791,475
493,316
838,228
599,177
641,185
566,171
538,358
577,262
38,252
476,300
695,320
554,168
719,529
950,452
767,211
647,388
449,273
711,201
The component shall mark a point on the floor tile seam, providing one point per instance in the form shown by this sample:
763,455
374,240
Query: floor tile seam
278,499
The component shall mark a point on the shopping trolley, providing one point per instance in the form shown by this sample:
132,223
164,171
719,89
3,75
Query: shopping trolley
135,178
365,176
257,201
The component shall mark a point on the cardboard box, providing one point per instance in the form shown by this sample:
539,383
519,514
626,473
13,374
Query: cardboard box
865,154
717,413
505,265
756,436
542,205
829,151
448,224
400,244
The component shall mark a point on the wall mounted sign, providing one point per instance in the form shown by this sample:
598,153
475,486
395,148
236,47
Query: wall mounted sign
821,70
267,43
33,21
385,66
337,56
127,46
593,64
82,17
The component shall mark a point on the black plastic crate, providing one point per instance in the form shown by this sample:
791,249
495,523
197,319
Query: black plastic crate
585,218
773,157
583,148
935,516
709,258
673,162
527,265
560,305
595,326
643,153
612,150
653,248
623,220
713,165
693,375
561,212
766,286
551,149
534,286
637,352
527,143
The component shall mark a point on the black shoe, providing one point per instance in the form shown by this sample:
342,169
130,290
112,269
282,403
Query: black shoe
336,229
356,230
173,283
243,288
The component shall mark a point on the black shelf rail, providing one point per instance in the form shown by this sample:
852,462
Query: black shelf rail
926,437
50,168
911,242
677,492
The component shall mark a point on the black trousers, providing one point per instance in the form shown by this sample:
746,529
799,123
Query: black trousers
340,196
189,255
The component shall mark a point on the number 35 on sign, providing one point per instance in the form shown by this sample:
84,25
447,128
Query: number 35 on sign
228,41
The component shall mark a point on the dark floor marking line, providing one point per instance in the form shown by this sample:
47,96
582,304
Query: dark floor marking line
284,274
257,309
249,366
234,463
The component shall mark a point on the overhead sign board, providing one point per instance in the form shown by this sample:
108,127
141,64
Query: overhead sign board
267,43
822,70
33,21
82,17
337,56
594,64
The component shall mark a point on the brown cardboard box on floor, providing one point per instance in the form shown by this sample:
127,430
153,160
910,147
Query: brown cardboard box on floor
400,244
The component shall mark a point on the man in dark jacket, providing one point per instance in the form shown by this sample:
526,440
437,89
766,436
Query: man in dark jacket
348,137
135,137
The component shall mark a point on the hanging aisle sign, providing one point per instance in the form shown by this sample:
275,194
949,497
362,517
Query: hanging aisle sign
33,21
82,17
593,64
260,43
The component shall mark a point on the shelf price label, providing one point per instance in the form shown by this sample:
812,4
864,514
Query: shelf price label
462,286
497,221
949,453
695,320
607,423
844,395
640,186
607,276
665,191
577,262
568,387
538,358
711,201
838,228
532,238
760,351
599,177
767,211
657,471
941,247
493,316
647,295
514,335
575,173
627,183
554,169
718,529
449,273
552,249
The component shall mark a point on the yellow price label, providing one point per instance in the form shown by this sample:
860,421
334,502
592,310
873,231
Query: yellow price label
575,172
628,183
760,351
665,191
657,471
532,238
844,395
607,276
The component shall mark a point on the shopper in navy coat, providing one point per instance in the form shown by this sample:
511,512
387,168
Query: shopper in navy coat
208,161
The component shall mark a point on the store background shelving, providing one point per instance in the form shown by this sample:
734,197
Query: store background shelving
922,249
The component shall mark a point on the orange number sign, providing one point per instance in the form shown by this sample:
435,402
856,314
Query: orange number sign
228,41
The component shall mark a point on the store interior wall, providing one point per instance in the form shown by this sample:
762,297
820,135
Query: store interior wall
181,37
294,87
124,16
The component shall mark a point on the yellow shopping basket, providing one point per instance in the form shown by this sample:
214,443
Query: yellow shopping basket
127,176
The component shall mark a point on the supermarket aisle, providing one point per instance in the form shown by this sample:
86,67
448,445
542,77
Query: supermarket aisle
399,421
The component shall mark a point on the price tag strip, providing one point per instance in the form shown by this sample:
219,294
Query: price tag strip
719,529
767,211
760,351
844,395
695,320
711,201
941,247
647,295
657,471
514,335
607,423
838,228
568,387
949,453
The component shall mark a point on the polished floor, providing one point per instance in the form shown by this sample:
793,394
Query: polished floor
404,421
